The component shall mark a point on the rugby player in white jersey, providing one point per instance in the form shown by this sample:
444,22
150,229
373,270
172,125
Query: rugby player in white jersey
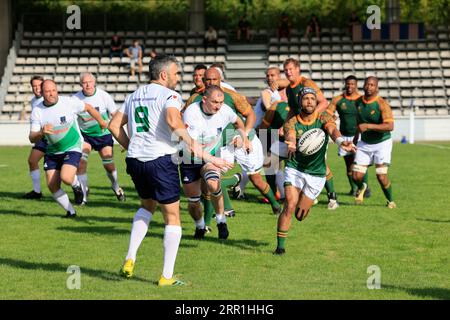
95,137
55,119
205,122
154,121
38,150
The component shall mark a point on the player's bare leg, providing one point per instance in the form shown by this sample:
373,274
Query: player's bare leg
211,175
284,220
54,185
358,176
33,164
385,184
192,191
106,154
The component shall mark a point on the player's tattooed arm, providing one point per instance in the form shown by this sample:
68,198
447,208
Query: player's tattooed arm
290,136
268,116
116,128
239,125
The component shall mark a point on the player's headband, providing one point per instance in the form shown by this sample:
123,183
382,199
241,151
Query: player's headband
306,90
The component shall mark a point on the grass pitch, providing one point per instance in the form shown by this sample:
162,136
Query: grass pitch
328,255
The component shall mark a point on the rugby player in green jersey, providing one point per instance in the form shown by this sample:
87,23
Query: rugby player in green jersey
305,174
375,123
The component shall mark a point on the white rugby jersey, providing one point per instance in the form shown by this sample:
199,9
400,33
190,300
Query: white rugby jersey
104,104
35,101
208,130
259,111
63,116
150,135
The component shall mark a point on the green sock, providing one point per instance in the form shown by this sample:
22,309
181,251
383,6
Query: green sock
329,185
271,180
388,192
366,178
226,200
269,195
281,238
208,209
228,182
352,182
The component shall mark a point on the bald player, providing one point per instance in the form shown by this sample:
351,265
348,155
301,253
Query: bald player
55,119
251,162
375,123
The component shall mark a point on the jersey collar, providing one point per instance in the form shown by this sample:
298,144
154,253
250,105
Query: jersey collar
369,101
310,122
354,96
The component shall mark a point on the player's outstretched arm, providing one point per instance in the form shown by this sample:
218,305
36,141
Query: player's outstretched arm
96,115
279,84
116,128
336,136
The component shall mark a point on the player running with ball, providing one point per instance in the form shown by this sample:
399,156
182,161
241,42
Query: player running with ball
305,172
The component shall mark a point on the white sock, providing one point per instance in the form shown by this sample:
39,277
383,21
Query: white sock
172,237
280,182
113,178
221,218
244,181
63,200
75,182
36,178
139,229
200,224
83,181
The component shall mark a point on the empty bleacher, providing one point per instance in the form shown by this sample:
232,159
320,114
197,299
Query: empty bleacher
416,71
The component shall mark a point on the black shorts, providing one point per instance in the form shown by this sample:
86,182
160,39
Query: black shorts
190,172
156,179
41,145
56,161
98,143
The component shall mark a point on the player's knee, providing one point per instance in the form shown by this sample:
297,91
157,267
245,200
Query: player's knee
194,202
381,171
301,213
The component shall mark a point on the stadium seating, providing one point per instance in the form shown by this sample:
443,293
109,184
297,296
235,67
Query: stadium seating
415,73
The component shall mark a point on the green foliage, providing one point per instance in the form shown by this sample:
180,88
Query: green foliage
327,254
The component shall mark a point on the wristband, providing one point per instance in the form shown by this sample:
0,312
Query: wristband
339,141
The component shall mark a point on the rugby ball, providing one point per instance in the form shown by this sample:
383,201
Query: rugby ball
311,141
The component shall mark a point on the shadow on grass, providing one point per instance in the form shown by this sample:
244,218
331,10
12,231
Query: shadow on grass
245,244
435,293
58,267
79,218
433,220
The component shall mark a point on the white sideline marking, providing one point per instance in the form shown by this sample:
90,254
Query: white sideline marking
4,165
434,146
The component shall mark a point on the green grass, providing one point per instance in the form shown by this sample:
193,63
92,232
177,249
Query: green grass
327,255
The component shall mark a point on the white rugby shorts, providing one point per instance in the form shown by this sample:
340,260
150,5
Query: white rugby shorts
311,186
378,153
251,163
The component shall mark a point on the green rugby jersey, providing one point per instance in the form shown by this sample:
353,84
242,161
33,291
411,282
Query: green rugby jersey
293,90
311,164
274,119
375,111
346,109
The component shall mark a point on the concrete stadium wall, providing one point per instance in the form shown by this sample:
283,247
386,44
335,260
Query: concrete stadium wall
426,129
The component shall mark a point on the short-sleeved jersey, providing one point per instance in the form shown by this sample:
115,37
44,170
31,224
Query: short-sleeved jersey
293,90
346,109
35,101
276,115
63,116
375,111
150,135
206,129
238,103
311,164
104,104
259,107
